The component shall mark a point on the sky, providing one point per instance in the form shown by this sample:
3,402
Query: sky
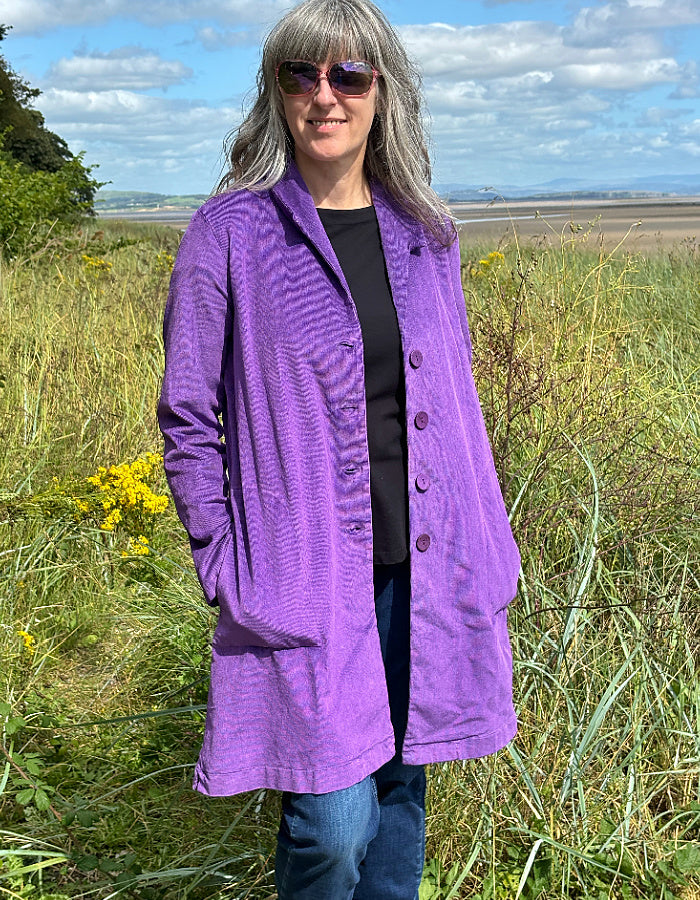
518,93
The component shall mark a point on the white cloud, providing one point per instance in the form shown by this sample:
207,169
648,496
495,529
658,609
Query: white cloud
128,68
135,138
483,51
40,16
221,39
625,15
656,116
531,48
691,128
125,116
535,95
631,75
692,148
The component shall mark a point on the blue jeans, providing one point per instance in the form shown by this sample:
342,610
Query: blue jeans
365,842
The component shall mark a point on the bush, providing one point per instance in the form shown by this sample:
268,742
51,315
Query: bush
35,203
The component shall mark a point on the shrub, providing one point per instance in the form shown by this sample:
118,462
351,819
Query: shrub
35,203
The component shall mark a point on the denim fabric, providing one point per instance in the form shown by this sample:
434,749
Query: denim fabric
365,842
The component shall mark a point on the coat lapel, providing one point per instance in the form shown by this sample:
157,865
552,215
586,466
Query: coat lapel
400,234
293,195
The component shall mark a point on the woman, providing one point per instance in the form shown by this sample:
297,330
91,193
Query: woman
328,458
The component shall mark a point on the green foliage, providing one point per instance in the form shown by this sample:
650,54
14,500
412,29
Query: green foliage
26,137
34,204
43,186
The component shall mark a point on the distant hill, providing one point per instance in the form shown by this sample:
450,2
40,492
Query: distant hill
118,201
662,186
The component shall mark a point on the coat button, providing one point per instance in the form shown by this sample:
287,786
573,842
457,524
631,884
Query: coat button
421,420
423,542
415,357
423,482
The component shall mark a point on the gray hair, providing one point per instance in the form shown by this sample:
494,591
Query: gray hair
397,155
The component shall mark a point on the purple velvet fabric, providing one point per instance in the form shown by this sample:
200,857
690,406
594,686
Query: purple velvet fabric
263,348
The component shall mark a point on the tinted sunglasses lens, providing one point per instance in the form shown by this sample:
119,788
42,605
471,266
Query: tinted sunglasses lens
351,78
297,77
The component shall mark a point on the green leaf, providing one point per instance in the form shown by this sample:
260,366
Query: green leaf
128,861
33,767
13,725
85,817
41,799
687,859
25,797
87,863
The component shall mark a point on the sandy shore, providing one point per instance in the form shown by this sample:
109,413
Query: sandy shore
643,224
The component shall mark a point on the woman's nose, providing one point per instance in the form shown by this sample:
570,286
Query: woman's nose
323,93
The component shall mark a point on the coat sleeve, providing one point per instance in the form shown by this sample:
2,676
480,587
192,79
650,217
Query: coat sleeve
197,326
455,264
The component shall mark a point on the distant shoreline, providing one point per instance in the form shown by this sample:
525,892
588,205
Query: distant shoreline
643,222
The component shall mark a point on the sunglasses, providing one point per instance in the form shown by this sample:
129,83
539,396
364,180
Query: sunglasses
350,78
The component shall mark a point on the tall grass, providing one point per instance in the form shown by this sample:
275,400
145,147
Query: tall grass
587,364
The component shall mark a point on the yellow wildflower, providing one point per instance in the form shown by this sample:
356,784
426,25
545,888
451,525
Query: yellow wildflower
492,261
112,520
127,500
29,641
95,266
164,261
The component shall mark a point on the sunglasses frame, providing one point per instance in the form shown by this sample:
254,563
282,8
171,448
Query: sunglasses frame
320,73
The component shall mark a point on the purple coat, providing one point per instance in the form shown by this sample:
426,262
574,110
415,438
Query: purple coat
263,347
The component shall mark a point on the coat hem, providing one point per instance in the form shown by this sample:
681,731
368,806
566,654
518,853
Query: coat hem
464,748
298,781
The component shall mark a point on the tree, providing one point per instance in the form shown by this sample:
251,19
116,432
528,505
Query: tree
41,181
26,136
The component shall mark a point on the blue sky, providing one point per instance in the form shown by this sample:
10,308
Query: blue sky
519,93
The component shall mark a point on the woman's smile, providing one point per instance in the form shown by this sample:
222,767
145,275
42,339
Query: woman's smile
326,124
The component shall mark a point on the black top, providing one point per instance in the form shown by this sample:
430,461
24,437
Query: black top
354,235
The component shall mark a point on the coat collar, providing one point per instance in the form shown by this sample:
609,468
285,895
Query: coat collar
397,227
400,235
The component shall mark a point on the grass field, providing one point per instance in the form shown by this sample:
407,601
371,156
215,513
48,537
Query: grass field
588,368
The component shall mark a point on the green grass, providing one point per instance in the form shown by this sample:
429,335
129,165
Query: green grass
588,370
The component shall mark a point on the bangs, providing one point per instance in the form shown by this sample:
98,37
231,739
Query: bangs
333,36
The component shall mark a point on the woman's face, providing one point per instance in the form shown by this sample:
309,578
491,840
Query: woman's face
329,128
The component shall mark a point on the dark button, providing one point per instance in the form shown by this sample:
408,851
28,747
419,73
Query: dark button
352,468
423,542
421,420
423,482
415,357
348,345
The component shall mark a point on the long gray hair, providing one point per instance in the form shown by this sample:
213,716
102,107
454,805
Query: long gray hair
397,155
